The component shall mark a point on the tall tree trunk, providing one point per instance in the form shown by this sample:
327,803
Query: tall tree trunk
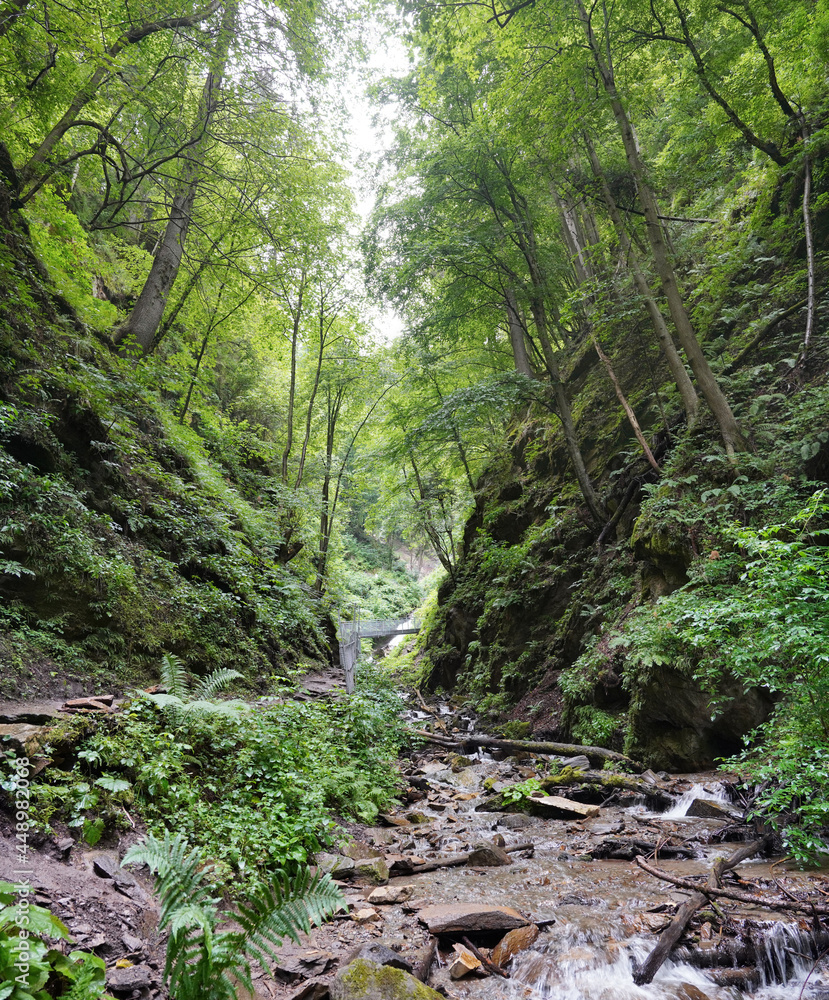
148,310
810,244
688,394
620,395
729,429
516,335
565,413
289,438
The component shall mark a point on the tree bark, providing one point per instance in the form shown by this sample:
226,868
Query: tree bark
714,396
634,423
289,438
148,310
688,394
516,335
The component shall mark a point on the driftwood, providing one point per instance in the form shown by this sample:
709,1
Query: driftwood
807,907
672,933
424,966
489,965
455,860
529,746
627,850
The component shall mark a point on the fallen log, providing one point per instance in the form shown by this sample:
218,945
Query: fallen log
455,860
528,746
807,907
673,932
422,969
571,776
627,850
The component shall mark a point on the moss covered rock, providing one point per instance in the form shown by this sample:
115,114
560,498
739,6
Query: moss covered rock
364,980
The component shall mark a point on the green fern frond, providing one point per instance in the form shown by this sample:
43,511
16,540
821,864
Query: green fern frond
196,709
204,963
174,676
216,681
285,909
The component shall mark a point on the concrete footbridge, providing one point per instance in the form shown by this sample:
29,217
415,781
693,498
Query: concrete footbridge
351,632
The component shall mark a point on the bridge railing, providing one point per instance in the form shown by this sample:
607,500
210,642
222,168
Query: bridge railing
372,628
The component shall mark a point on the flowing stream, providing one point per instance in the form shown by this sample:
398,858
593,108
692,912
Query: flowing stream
608,913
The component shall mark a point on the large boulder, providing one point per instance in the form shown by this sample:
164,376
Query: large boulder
672,725
365,980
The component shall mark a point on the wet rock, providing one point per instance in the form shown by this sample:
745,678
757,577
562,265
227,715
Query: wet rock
391,820
579,763
374,869
380,954
98,703
22,736
711,809
124,981
358,851
463,963
459,918
687,991
488,856
557,807
34,713
391,894
418,817
514,941
314,989
131,942
335,865
458,762
469,777
303,965
515,821
104,864
364,980
365,916
433,767
65,845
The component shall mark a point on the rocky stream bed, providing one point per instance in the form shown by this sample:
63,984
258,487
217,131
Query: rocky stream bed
547,902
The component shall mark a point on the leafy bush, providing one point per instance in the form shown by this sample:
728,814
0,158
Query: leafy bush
758,613
257,791
26,955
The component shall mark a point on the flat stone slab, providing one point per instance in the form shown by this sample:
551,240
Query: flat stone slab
557,807
449,918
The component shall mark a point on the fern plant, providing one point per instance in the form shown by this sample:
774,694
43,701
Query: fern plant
185,702
204,963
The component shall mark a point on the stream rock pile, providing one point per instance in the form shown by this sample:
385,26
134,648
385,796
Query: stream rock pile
504,874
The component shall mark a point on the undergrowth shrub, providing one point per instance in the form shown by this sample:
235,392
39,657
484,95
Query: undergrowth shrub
258,791
759,614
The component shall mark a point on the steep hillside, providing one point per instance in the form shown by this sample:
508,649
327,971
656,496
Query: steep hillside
554,622
124,535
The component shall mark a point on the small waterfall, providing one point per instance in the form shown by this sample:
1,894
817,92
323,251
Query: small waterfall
711,792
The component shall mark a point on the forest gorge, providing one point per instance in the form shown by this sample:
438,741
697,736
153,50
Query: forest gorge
596,457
